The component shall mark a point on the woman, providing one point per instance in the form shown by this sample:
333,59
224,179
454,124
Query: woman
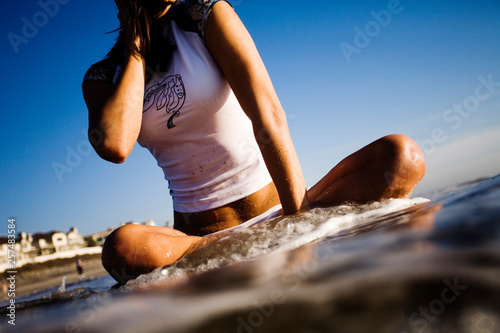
186,81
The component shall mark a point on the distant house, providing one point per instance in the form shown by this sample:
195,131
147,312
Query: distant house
75,239
4,250
150,223
27,247
47,243
100,237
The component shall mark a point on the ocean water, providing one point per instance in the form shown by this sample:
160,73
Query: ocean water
399,266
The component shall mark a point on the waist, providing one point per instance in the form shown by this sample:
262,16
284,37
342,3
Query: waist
229,215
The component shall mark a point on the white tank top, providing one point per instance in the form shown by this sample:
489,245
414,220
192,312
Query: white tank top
197,131
195,128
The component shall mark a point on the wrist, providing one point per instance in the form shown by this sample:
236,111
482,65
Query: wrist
296,205
135,62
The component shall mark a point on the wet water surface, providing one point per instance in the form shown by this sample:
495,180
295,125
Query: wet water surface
401,266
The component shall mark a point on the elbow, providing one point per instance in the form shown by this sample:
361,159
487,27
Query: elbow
114,153
115,157
111,151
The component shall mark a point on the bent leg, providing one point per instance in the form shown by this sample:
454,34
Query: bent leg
390,167
132,250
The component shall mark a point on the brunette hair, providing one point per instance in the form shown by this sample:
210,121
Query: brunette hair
141,24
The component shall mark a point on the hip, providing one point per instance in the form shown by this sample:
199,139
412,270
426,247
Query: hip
227,216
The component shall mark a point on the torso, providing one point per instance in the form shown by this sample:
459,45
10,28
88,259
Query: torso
227,216
201,138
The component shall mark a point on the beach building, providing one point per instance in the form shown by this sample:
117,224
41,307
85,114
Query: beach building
56,241
100,237
75,239
4,250
48,243
150,223
27,248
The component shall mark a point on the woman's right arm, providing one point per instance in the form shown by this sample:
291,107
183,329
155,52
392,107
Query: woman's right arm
116,110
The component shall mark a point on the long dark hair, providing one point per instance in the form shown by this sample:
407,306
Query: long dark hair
141,24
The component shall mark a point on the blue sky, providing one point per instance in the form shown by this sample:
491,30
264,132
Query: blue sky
347,72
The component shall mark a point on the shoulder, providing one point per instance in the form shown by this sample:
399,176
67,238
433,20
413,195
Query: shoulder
103,70
192,15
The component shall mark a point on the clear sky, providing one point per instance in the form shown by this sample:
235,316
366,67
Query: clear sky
347,72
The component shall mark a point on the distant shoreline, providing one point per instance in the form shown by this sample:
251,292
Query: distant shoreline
37,277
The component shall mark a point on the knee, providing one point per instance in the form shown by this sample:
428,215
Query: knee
408,159
404,151
117,254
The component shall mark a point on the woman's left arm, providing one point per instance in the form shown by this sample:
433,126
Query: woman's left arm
235,52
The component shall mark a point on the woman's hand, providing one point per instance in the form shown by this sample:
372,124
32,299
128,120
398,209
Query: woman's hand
127,31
